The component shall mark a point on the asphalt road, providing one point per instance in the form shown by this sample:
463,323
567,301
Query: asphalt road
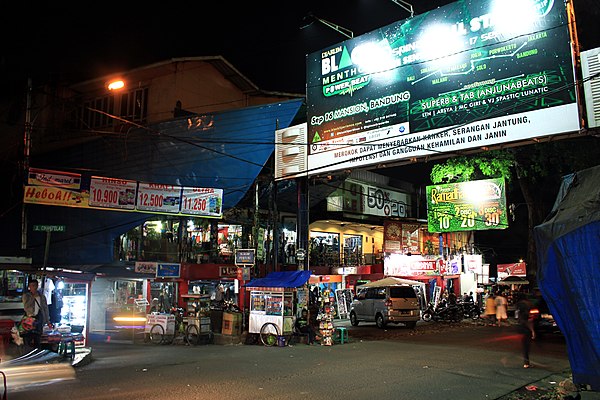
434,361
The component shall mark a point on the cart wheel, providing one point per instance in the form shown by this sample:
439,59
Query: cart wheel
191,335
157,334
268,334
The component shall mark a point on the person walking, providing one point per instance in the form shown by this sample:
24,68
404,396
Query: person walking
36,306
525,327
501,306
490,309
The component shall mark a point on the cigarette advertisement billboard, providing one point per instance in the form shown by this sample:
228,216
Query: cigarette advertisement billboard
474,73
467,206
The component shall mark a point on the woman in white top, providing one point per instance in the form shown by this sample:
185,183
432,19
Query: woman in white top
501,304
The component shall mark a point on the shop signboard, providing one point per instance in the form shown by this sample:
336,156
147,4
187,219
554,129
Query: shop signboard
168,270
467,206
158,197
112,193
45,177
49,228
471,74
473,263
243,273
404,265
368,199
514,269
244,257
56,188
228,271
145,267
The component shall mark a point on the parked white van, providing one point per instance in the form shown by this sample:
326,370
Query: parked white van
386,303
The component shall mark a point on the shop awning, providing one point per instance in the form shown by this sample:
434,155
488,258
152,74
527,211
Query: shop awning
283,279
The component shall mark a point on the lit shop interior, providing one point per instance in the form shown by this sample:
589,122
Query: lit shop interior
160,241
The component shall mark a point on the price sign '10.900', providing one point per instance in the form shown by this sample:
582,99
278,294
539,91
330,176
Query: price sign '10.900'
112,193
467,206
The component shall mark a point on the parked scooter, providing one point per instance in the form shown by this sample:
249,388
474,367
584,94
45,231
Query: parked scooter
443,312
470,310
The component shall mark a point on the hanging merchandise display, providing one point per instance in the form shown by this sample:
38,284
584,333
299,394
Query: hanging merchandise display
325,317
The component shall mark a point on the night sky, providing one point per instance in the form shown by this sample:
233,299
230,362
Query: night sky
263,40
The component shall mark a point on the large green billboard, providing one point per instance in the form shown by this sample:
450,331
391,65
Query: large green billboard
467,206
472,74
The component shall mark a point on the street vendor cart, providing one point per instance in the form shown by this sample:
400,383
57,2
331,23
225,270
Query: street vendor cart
274,303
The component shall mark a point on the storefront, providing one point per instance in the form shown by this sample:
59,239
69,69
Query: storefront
67,295
119,307
336,244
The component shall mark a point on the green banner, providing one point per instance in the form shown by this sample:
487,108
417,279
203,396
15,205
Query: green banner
467,206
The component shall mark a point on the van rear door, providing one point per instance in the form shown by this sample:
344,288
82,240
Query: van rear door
404,299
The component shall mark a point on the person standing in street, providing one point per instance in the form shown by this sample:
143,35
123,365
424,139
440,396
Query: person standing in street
525,327
490,309
35,305
501,306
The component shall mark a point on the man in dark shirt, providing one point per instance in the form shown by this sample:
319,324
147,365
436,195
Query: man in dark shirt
303,326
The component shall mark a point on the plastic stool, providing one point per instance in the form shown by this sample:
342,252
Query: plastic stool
342,334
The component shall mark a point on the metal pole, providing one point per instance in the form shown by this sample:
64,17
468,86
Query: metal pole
303,220
26,150
46,249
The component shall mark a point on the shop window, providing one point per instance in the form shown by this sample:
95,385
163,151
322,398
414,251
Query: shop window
353,250
324,249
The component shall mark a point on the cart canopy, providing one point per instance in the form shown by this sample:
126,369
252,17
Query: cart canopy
282,279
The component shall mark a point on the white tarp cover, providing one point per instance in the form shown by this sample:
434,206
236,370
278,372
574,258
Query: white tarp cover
391,280
569,270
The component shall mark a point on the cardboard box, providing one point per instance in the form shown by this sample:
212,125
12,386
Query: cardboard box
232,324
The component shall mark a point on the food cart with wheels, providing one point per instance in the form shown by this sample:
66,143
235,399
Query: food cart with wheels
273,305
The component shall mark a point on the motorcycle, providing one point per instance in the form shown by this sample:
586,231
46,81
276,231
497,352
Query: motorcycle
443,312
470,310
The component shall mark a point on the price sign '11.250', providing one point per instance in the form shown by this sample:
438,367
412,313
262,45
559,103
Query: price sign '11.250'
204,201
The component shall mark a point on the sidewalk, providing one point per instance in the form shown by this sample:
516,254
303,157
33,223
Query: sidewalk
550,388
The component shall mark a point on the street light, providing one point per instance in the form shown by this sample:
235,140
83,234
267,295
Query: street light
115,84
310,18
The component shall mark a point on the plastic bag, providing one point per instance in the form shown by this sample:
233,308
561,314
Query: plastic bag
27,324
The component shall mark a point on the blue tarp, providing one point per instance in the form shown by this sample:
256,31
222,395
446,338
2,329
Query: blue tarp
283,279
569,271
225,150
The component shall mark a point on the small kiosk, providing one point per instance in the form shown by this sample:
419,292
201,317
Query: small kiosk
274,302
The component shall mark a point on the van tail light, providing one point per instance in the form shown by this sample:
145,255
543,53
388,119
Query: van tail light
388,303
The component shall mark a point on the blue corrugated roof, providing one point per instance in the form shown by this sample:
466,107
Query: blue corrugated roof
224,150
